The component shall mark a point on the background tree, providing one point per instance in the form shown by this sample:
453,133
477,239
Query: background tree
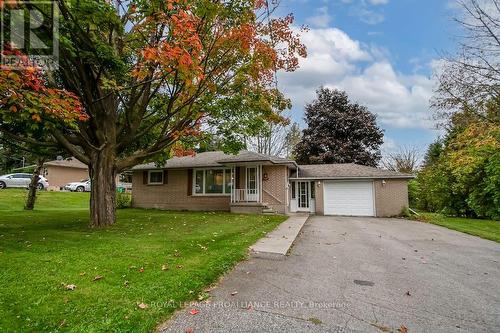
292,139
151,73
433,153
31,110
405,160
271,140
461,175
339,131
275,139
10,158
470,78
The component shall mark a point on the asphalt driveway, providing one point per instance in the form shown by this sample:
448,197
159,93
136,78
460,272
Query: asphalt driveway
360,275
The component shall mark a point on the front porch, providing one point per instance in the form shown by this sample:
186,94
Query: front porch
247,189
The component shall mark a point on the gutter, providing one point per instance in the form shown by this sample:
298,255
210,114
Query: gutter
353,177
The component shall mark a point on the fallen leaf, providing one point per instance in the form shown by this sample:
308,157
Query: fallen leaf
408,293
234,293
403,329
125,283
179,266
141,269
142,306
82,273
194,312
70,287
164,267
97,278
189,331
62,323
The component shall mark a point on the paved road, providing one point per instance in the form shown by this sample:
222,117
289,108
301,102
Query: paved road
360,275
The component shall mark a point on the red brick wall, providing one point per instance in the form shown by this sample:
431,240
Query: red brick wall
274,188
391,197
173,195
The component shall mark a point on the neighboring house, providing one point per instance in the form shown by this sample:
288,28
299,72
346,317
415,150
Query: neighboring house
253,182
61,172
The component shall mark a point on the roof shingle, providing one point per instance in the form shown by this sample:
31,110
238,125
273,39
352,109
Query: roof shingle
213,159
68,163
346,171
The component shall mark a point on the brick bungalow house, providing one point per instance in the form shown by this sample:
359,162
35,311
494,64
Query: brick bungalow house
252,182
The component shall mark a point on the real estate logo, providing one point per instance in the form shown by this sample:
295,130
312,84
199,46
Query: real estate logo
29,28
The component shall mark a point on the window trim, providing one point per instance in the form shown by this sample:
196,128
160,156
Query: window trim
155,171
204,194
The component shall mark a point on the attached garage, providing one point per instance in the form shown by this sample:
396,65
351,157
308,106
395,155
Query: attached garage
351,198
348,189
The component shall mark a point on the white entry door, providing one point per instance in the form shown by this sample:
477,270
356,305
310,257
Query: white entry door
351,198
303,196
252,189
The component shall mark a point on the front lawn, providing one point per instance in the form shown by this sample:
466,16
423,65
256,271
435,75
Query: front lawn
487,229
157,258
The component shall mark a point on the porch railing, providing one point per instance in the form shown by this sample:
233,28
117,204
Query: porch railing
245,195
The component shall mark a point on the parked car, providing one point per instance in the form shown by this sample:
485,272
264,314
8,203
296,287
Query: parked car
21,180
81,186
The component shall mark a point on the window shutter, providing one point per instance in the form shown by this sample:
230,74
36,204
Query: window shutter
237,177
190,182
144,177
165,177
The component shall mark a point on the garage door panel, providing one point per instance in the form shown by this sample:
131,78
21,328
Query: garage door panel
349,198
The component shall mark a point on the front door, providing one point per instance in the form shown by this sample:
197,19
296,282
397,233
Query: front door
252,191
303,196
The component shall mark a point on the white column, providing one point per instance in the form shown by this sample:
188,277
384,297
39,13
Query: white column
232,184
260,183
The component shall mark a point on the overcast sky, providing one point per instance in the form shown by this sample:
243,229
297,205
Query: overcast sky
382,52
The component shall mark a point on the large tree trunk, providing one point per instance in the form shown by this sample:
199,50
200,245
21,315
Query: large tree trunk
102,172
30,200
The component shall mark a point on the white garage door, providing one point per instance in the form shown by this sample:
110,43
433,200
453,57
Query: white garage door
349,198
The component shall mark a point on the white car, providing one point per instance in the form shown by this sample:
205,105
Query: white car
81,186
21,180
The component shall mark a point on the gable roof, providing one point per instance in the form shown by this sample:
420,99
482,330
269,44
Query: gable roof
250,156
345,171
67,163
213,159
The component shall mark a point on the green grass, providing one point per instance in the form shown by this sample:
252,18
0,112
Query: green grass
13,200
44,250
487,229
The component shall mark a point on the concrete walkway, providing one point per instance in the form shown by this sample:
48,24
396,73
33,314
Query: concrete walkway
279,241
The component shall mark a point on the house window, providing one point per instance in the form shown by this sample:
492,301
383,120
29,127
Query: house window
313,191
227,181
293,190
212,181
155,177
199,182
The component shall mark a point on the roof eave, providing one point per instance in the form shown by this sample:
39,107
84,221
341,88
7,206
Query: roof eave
353,177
